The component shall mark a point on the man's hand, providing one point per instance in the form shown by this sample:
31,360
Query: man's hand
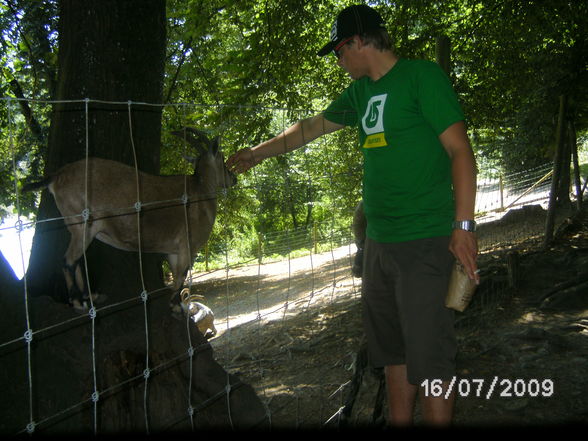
464,246
242,160
294,137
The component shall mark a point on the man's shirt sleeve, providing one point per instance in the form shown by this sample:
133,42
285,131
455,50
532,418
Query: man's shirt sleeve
341,111
438,101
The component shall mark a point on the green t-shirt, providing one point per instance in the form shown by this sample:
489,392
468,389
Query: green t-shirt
407,187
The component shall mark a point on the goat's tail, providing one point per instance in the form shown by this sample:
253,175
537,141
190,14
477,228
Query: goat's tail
34,186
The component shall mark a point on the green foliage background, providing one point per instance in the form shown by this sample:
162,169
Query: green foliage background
247,69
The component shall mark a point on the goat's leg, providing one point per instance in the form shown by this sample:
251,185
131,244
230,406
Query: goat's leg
76,285
212,327
75,294
74,276
179,266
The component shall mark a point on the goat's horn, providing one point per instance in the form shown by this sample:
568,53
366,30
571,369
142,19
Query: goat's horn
196,131
199,134
205,140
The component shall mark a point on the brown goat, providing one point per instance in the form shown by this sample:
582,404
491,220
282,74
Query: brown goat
177,213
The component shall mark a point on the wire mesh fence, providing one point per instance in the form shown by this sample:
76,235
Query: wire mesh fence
270,306
495,195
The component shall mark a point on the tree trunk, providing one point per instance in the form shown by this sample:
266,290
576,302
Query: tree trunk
573,141
443,53
557,165
563,189
109,50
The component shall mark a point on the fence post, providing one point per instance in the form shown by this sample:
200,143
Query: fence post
314,240
501,186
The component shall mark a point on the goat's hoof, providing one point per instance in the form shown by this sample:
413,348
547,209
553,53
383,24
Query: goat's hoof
83,305
80,307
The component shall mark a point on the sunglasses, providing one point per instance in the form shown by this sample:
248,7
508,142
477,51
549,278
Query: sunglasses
337,50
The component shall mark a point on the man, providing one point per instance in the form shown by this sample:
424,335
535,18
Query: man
419,189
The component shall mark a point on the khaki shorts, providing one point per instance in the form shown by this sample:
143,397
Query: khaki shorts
405,320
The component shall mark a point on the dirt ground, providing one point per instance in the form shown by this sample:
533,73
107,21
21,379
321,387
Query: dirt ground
292,330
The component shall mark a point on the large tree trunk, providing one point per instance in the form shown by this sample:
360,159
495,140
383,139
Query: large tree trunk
109,50
65,365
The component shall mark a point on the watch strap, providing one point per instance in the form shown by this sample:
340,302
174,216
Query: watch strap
467,225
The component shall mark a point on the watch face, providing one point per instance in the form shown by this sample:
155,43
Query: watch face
470,225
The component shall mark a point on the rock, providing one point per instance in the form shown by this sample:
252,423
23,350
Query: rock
520,214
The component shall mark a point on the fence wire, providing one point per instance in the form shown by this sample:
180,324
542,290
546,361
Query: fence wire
314,274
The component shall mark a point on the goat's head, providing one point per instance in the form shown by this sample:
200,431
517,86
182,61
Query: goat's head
210,156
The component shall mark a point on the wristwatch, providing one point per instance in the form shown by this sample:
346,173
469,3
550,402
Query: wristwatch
468,225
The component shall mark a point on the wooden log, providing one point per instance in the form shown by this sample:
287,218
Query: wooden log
578,281
571,298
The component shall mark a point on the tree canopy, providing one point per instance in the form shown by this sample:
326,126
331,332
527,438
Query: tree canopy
248,68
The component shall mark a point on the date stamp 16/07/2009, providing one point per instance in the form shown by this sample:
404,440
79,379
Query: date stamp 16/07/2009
482,388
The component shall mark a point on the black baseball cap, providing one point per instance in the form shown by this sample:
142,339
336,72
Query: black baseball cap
353,20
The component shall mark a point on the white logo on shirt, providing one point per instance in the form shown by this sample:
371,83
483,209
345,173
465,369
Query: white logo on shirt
373,120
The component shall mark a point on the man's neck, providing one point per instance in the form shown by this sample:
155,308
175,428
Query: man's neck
381,63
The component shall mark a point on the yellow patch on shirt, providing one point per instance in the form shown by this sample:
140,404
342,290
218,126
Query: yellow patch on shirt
375,140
